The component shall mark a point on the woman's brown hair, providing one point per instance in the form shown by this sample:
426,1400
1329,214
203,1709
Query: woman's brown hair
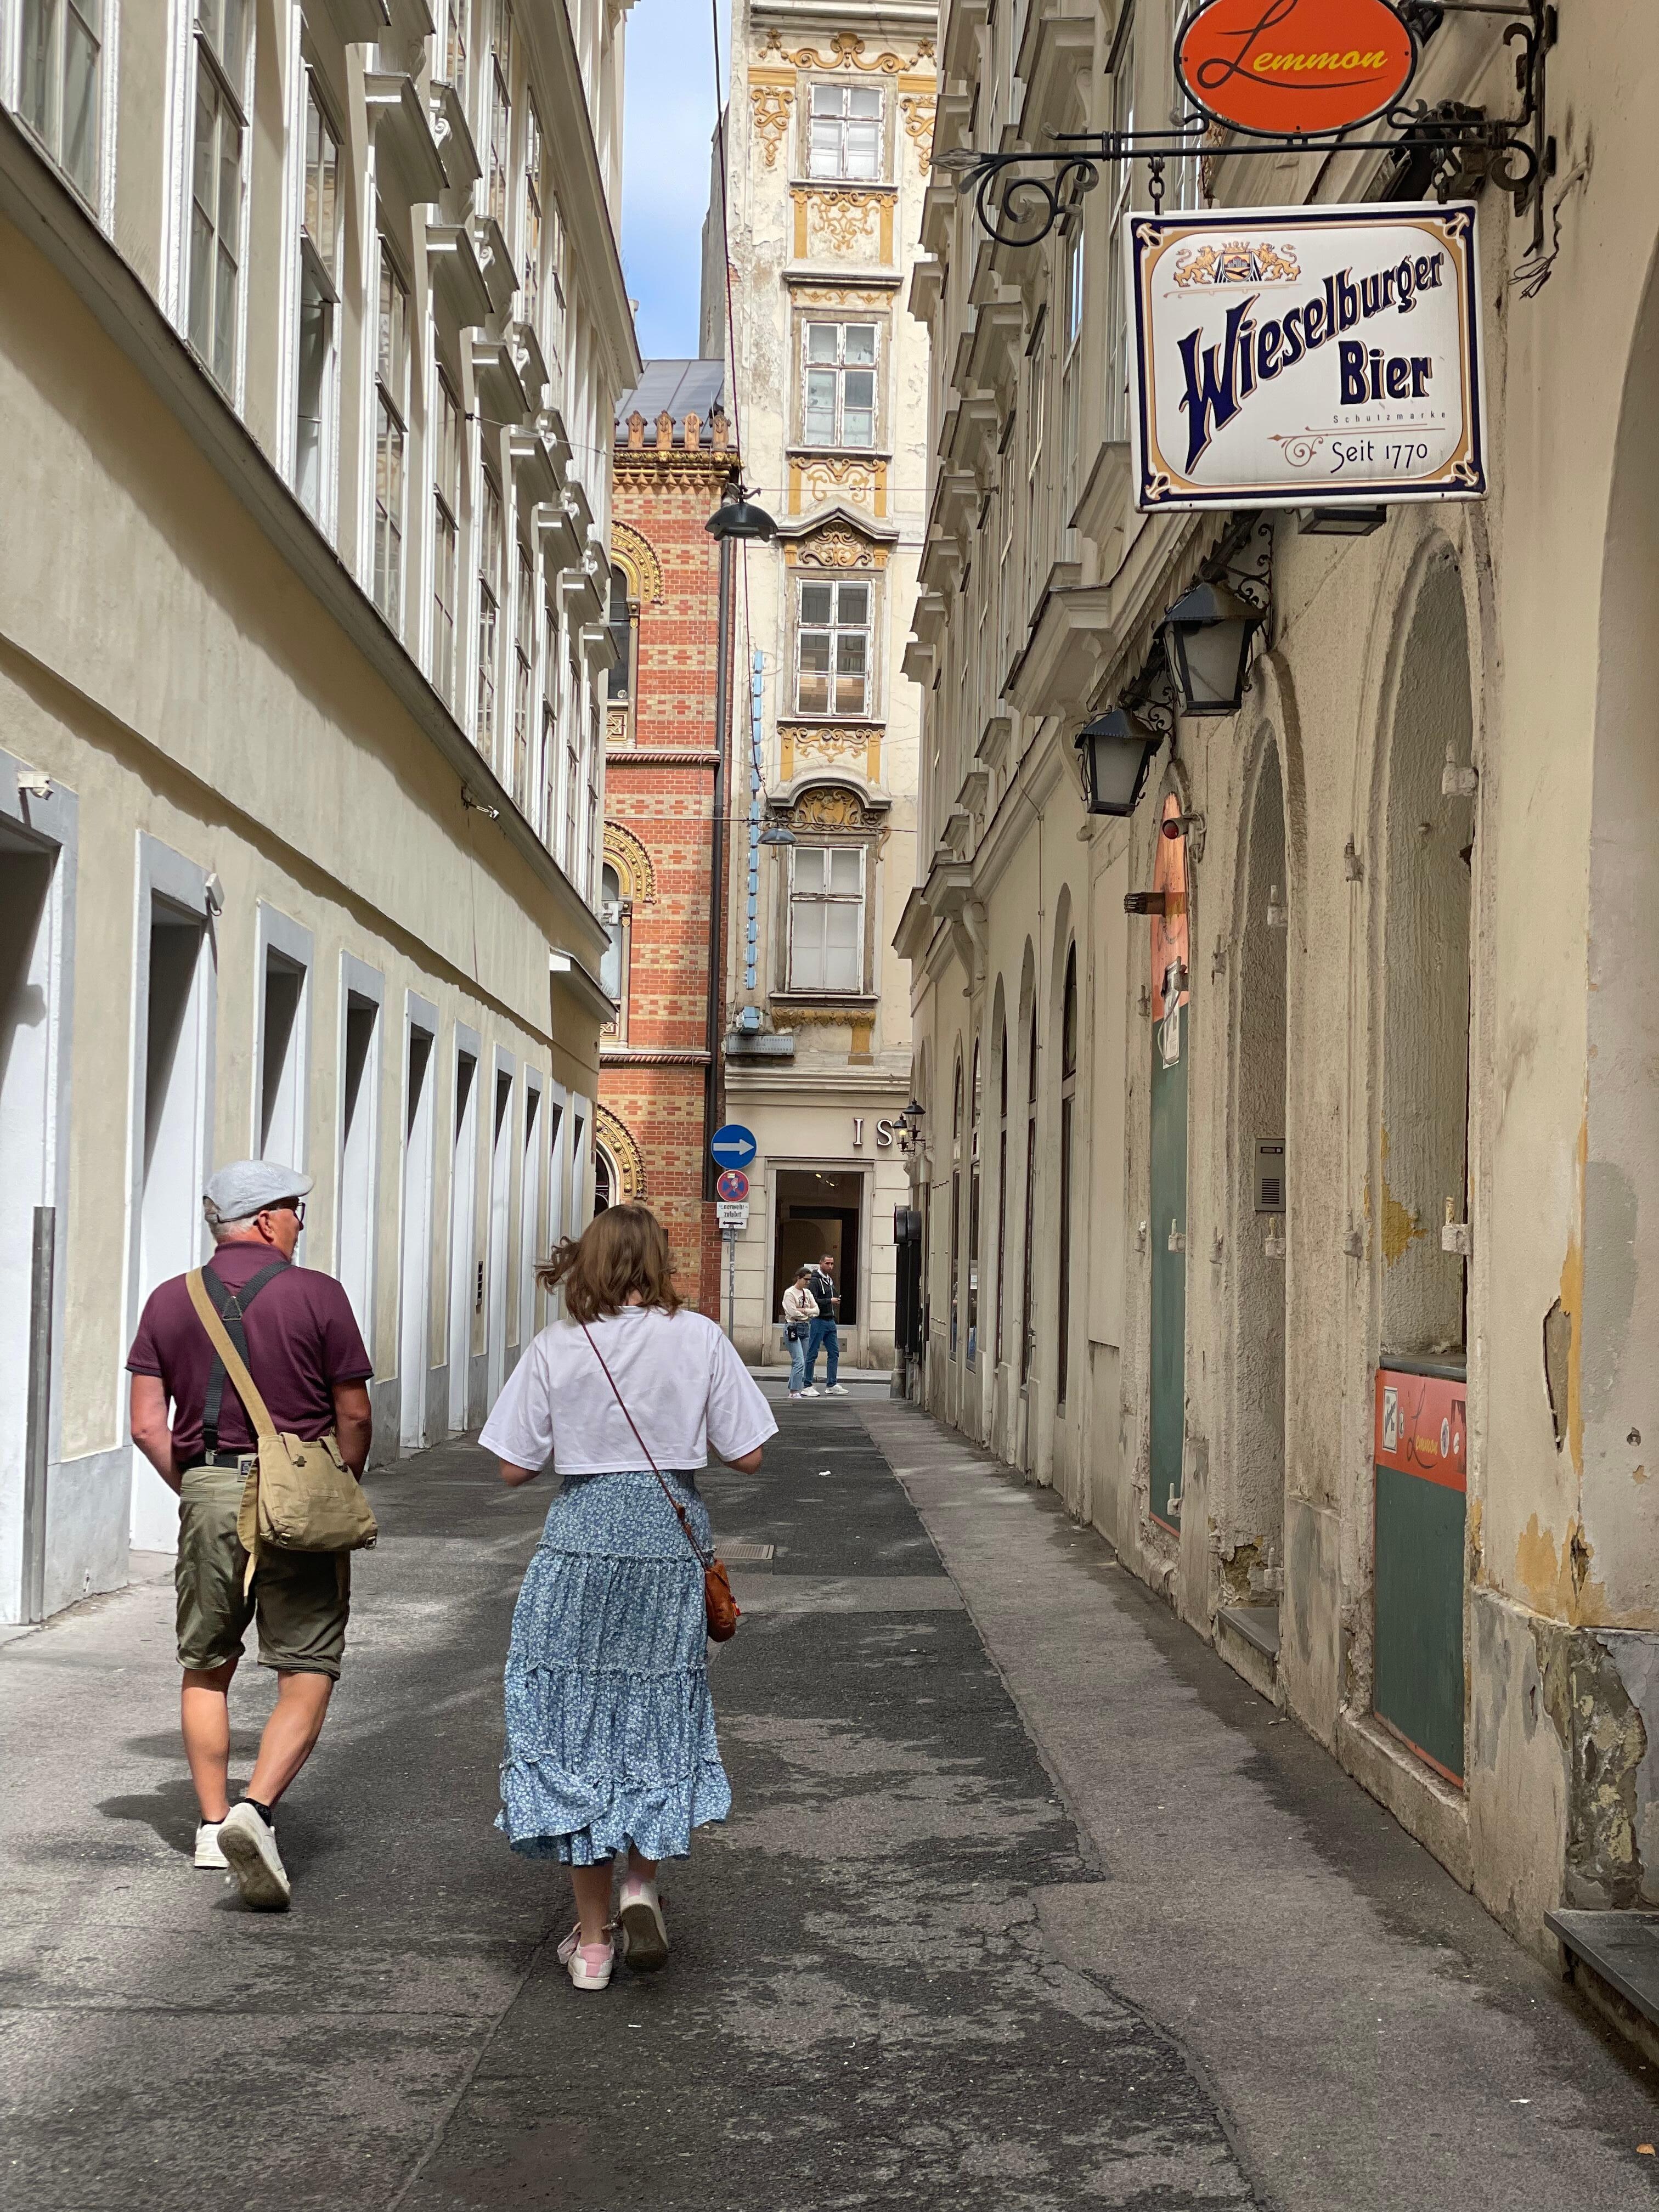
622,1252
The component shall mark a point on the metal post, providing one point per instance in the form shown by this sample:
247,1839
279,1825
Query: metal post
38,1420
732,1283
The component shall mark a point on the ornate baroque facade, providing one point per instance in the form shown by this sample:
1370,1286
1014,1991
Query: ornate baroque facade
303,653
829,146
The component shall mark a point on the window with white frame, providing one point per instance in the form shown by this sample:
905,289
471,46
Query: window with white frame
844,132
490,603
523,651
1036,385
839,369
549,722
826,918
529,295
59,78
1117,335
1072,364
218,149
552,218
320,238
445,538
391,438
590,854
835,622
454,55
615,911
573,769
500,97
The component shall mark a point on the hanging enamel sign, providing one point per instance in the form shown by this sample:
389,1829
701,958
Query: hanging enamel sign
1307,356
1294,68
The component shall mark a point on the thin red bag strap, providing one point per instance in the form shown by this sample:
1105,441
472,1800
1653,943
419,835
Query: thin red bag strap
679,1510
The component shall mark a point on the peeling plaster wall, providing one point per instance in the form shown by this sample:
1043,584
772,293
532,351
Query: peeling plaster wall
1522,629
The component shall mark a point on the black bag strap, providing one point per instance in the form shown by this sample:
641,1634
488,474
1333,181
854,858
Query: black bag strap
230,1306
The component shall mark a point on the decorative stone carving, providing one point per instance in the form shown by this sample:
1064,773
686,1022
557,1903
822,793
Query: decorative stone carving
637,558
836,546
618,1142
616,729
831,807
845,216
847,52
864,483
632,863
918,109
771,104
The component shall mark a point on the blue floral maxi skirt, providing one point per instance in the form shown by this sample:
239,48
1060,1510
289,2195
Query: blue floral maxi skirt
610,1726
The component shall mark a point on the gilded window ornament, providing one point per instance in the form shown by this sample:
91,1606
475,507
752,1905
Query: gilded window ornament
638,878
837,547
618,1142
918,109
771,104
847,52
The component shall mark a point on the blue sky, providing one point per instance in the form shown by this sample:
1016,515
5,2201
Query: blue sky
668,123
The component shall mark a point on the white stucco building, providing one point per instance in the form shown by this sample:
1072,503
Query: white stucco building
828,139
313,323
1408,902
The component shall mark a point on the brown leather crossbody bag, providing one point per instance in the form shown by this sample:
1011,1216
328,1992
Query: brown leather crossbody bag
719,1607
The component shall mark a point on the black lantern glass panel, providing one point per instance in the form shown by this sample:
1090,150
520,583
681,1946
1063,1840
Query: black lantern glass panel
1208,634
1116,753
736,516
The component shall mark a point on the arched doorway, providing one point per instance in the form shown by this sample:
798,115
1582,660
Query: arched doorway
1254,1514
1420,1186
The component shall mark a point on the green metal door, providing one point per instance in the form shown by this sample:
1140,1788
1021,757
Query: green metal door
1168,1228
1420,1534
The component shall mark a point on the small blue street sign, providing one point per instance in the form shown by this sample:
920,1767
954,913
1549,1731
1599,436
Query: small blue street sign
734,1146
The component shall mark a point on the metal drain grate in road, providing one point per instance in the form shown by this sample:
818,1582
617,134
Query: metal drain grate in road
746,1555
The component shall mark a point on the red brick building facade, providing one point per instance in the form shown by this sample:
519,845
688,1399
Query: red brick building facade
664,791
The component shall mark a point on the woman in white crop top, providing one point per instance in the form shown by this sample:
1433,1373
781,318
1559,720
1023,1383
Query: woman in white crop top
610,1729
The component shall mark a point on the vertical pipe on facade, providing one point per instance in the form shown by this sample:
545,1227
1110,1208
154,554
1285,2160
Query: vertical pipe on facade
757,687
711,1076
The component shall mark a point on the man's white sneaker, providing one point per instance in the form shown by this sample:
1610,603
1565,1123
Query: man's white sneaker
838,1390
645,1932
250,1850
207,1853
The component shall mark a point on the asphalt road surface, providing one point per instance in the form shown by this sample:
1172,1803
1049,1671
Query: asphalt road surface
902,1973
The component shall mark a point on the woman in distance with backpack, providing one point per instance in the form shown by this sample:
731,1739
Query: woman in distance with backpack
610,1743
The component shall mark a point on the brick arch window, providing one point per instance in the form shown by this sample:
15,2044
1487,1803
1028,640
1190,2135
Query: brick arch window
617,913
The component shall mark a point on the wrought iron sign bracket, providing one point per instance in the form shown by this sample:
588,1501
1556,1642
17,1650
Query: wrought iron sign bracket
1018,208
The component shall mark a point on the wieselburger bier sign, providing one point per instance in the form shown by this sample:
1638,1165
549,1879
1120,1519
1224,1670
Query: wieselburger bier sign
1305,356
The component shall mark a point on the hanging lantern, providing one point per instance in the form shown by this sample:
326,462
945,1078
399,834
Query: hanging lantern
1116,753
1208,633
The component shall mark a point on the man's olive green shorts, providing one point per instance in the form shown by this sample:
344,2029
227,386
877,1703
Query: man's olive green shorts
302,1600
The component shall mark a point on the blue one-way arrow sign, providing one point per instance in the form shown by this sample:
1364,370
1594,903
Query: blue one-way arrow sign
734,1146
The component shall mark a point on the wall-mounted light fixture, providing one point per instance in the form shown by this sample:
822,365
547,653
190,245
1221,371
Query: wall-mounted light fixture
736,516
1340,521
1208,632
909,1119
776,832
1116,754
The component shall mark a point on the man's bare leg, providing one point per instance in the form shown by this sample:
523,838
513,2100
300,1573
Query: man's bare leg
290,1734
204,1721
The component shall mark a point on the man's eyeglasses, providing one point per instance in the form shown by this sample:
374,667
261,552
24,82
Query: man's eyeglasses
296,1207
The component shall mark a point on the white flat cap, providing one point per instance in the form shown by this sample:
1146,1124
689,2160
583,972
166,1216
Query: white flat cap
247,1186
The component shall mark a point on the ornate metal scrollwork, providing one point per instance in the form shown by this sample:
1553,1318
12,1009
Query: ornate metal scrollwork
1019,205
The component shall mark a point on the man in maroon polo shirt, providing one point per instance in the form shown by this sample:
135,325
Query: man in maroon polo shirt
301,1341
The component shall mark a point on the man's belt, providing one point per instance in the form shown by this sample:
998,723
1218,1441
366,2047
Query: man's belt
221,1459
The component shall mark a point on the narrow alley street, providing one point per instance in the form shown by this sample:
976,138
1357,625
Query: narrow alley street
1026,1903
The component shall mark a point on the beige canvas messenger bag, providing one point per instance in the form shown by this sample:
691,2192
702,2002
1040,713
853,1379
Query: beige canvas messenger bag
299,1497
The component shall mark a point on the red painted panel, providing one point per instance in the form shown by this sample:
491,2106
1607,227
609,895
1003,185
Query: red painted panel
1422,1426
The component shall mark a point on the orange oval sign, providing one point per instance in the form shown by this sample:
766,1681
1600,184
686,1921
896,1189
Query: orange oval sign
1278,67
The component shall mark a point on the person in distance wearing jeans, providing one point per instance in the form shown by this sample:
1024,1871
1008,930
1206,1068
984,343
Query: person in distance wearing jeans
800,1310
821,1281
